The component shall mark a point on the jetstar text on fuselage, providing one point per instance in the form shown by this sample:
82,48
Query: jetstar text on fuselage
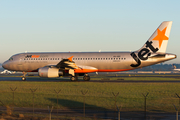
142,53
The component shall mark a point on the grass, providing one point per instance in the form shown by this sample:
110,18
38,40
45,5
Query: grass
161,96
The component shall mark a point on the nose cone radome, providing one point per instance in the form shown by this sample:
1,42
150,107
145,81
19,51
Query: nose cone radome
5,65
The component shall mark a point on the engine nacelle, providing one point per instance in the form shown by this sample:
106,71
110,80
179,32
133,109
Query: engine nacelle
48,72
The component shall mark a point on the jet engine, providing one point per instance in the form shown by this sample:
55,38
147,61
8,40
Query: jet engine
49,72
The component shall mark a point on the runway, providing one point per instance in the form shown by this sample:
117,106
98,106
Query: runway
173,78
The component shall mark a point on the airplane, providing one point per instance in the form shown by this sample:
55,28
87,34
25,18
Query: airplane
6,72
174,68
74,64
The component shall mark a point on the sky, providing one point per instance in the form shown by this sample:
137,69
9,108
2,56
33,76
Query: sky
84,25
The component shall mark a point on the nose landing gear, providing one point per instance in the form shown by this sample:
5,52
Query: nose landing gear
24,76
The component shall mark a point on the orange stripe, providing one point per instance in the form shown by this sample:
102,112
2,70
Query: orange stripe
85,70
100,70
92,70
113,70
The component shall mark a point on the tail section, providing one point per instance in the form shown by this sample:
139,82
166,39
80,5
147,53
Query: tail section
154,48
159,39
174,67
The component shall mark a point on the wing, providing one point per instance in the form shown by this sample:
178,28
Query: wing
72,67
67,64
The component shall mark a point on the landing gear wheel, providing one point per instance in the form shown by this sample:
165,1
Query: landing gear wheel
23,78
74,78
86,78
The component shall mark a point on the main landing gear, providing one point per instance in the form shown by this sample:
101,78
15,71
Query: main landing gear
85,78
74,78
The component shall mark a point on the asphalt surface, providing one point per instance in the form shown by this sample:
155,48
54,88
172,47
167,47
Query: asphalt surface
17,77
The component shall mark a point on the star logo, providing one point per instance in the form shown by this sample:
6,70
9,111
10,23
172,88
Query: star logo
161,36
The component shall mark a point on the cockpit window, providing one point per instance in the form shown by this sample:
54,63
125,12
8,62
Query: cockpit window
11,58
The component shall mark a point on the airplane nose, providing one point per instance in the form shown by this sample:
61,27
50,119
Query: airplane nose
4,65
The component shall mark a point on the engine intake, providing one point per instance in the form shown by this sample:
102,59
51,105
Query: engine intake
48,72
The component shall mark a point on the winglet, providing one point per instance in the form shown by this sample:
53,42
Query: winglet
70,58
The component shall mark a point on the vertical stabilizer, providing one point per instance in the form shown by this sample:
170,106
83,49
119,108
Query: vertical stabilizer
159,38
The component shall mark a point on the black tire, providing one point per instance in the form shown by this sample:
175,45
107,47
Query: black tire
86,78
74,78
23,79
